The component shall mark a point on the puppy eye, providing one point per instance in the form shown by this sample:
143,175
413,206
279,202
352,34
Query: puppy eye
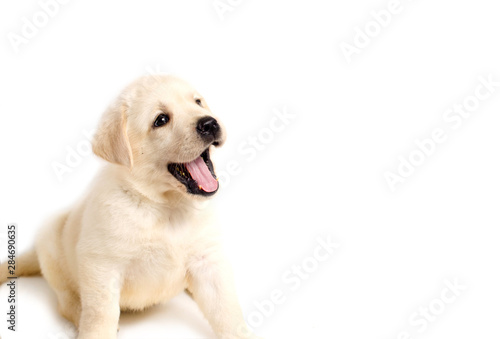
161,120
198,102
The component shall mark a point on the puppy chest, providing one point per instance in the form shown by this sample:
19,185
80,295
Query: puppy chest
155,273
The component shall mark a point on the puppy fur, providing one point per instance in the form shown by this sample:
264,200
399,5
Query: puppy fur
138,238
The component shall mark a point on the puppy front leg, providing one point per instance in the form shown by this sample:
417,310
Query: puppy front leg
100,298
211,283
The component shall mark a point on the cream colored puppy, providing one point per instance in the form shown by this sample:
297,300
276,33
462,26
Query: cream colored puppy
139,236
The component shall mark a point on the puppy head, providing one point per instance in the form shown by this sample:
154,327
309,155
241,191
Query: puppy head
162,130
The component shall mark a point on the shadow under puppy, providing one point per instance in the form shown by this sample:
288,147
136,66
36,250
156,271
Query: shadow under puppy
140,236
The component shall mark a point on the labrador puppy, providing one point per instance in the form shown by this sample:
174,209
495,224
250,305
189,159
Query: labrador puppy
141,235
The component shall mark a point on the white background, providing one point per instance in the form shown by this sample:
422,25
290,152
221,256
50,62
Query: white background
321,176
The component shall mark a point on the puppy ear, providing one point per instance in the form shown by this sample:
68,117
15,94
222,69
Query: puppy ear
111,141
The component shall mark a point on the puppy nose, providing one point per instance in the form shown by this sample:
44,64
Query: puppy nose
208,126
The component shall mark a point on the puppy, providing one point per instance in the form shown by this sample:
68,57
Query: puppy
140,235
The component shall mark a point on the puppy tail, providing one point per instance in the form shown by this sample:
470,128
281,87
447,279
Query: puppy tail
26,264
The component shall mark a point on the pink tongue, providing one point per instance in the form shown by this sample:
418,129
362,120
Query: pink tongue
200,172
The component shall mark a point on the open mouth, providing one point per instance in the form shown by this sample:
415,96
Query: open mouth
198,175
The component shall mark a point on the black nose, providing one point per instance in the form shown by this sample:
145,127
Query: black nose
208,127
